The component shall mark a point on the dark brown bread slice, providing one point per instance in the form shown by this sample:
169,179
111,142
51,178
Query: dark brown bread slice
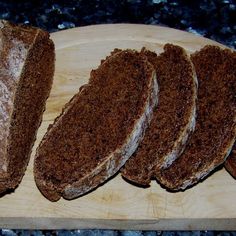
26,72
230,163
215,125
173,120
99,129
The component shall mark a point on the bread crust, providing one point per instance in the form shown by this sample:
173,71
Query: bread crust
230,163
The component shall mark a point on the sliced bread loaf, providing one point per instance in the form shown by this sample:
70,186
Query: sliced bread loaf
99,129
216,121
26,72
173,120
230,163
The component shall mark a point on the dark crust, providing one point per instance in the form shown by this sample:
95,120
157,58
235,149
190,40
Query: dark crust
177,96
230,163
32,91
20,32
93,124
215,127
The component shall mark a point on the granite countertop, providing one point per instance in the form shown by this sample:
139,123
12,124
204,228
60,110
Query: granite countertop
212,19
97,232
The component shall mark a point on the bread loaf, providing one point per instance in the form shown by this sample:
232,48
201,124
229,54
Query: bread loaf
26,73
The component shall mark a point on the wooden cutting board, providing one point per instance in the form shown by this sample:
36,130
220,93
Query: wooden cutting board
117,204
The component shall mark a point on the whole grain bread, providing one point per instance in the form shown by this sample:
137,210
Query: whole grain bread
99,129
230,163
216,120
26,73
173,119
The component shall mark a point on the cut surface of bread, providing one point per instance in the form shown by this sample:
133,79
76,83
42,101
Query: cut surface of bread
99,129
173,119
215,124
230,163
26,73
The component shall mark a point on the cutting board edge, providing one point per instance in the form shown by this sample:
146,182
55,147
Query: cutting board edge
117,224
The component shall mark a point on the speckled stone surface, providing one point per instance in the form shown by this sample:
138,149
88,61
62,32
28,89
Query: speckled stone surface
213,19
8,232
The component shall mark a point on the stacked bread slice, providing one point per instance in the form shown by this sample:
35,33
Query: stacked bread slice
215,130
173,120
191,131
91,140
214,135
99,129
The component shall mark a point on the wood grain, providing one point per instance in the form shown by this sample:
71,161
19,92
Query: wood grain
117,204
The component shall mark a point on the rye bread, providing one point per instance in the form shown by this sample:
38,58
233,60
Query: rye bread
26,73
99,129
173,119
215,124
230,163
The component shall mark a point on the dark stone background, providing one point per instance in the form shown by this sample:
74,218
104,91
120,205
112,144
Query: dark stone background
213,19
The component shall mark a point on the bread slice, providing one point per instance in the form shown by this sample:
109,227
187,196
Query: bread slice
173,120
26,73
230,163
99,129
216,121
